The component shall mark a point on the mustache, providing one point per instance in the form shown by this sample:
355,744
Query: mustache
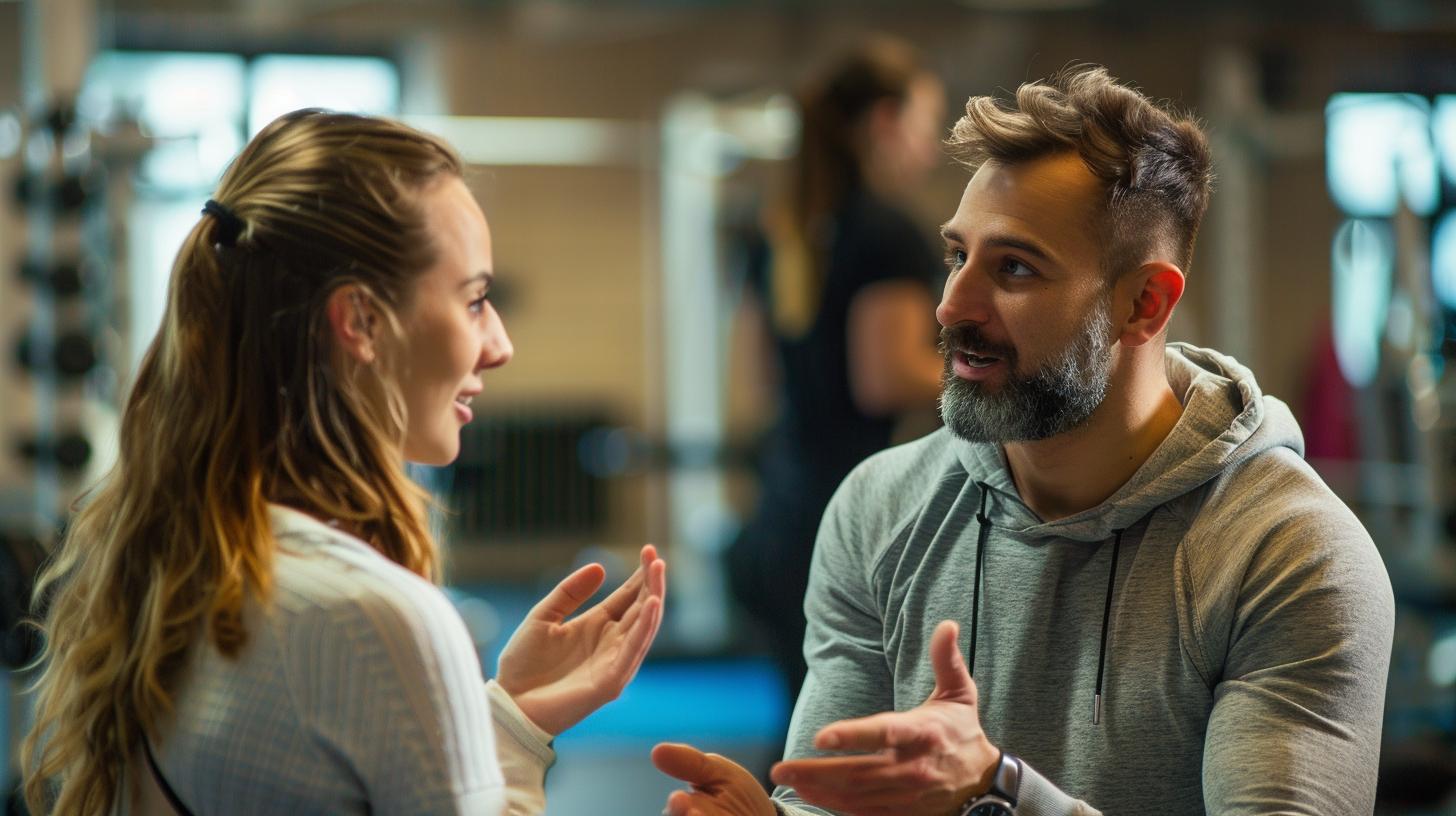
967,337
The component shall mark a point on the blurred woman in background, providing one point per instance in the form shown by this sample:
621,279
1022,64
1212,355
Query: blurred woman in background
244,616
844,283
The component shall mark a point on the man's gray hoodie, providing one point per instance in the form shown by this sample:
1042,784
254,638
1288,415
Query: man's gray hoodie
1248,637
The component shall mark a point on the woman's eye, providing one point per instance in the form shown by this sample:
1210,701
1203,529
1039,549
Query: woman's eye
477,306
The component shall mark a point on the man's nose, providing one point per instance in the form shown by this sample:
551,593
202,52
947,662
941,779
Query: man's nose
966,298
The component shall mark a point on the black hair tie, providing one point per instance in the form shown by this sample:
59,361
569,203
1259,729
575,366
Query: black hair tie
229,225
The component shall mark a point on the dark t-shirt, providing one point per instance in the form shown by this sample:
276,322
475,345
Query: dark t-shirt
819,434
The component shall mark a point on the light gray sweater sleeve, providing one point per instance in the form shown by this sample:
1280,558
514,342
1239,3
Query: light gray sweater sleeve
848,674
1297,712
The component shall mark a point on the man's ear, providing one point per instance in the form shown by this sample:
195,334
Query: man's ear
1155,288
352,319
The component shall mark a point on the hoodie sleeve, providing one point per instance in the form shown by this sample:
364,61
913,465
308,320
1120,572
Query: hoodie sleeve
848,674
1296,720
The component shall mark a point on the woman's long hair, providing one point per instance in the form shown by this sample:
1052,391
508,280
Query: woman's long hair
241,400
833,109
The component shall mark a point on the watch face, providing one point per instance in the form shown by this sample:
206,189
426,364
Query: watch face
990,809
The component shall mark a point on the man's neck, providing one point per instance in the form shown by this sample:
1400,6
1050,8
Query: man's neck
1080,469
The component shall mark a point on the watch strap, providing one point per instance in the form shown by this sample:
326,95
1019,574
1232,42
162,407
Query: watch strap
1005,790
1007,781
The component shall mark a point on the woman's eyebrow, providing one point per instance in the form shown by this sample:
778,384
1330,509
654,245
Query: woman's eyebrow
484,276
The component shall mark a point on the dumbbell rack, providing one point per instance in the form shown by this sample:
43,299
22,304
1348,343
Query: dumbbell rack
62,329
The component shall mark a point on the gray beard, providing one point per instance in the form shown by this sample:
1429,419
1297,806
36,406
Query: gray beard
1057,397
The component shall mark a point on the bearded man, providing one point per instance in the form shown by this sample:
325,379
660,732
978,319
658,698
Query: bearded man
1164,609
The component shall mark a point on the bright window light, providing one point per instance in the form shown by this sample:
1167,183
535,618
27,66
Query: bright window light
1364,263
1443,260
191,104
351,84
170,94
1443,128
195,107
1378,150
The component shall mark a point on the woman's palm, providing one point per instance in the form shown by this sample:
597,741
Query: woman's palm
558,670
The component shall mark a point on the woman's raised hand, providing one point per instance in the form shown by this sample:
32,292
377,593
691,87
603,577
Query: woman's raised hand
559,671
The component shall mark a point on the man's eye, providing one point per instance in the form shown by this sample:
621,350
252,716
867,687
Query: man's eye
1016,269
955,259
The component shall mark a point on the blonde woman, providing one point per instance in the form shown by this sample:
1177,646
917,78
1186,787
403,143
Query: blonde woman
243,614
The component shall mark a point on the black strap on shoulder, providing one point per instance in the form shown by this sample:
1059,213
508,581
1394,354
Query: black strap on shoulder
172,798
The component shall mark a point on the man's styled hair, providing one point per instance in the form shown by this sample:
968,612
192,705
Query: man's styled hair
1153,162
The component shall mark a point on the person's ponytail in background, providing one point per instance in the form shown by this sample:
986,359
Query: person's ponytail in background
833,110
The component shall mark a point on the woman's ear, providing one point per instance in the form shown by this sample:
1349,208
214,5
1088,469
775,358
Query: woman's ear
1157,288
352,319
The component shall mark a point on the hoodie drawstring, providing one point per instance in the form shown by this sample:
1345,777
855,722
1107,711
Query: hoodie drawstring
1106,617
976,587
982,534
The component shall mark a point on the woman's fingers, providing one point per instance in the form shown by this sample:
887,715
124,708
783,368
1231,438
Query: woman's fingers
657,578
570,594
638,641
625,595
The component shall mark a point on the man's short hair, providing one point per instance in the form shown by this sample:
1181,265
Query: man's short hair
1153,162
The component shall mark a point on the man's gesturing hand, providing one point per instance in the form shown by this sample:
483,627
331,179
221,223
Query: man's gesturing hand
927,761
721,787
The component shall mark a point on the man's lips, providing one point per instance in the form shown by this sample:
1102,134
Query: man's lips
969,365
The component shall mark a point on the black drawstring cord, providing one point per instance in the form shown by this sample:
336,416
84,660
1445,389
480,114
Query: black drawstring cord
985,530
976,588
1106,617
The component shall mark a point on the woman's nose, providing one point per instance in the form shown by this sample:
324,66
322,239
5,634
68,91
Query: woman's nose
496,349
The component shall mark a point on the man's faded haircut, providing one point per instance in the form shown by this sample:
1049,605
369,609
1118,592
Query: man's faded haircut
1153,162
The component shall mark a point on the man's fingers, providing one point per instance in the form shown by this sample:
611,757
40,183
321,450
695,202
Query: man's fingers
892,729
687,763
952,678
680,803
864,774
570,594
825,771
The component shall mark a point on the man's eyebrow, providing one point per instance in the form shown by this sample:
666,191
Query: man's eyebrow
1012,242
952,235
484,276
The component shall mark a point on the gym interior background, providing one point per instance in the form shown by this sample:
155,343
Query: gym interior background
615,147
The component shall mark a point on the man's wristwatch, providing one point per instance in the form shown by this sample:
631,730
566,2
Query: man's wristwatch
1000,800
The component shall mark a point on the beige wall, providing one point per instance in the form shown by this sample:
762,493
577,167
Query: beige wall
629,72
577,247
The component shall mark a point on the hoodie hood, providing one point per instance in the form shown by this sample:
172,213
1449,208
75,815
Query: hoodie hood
1226,420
